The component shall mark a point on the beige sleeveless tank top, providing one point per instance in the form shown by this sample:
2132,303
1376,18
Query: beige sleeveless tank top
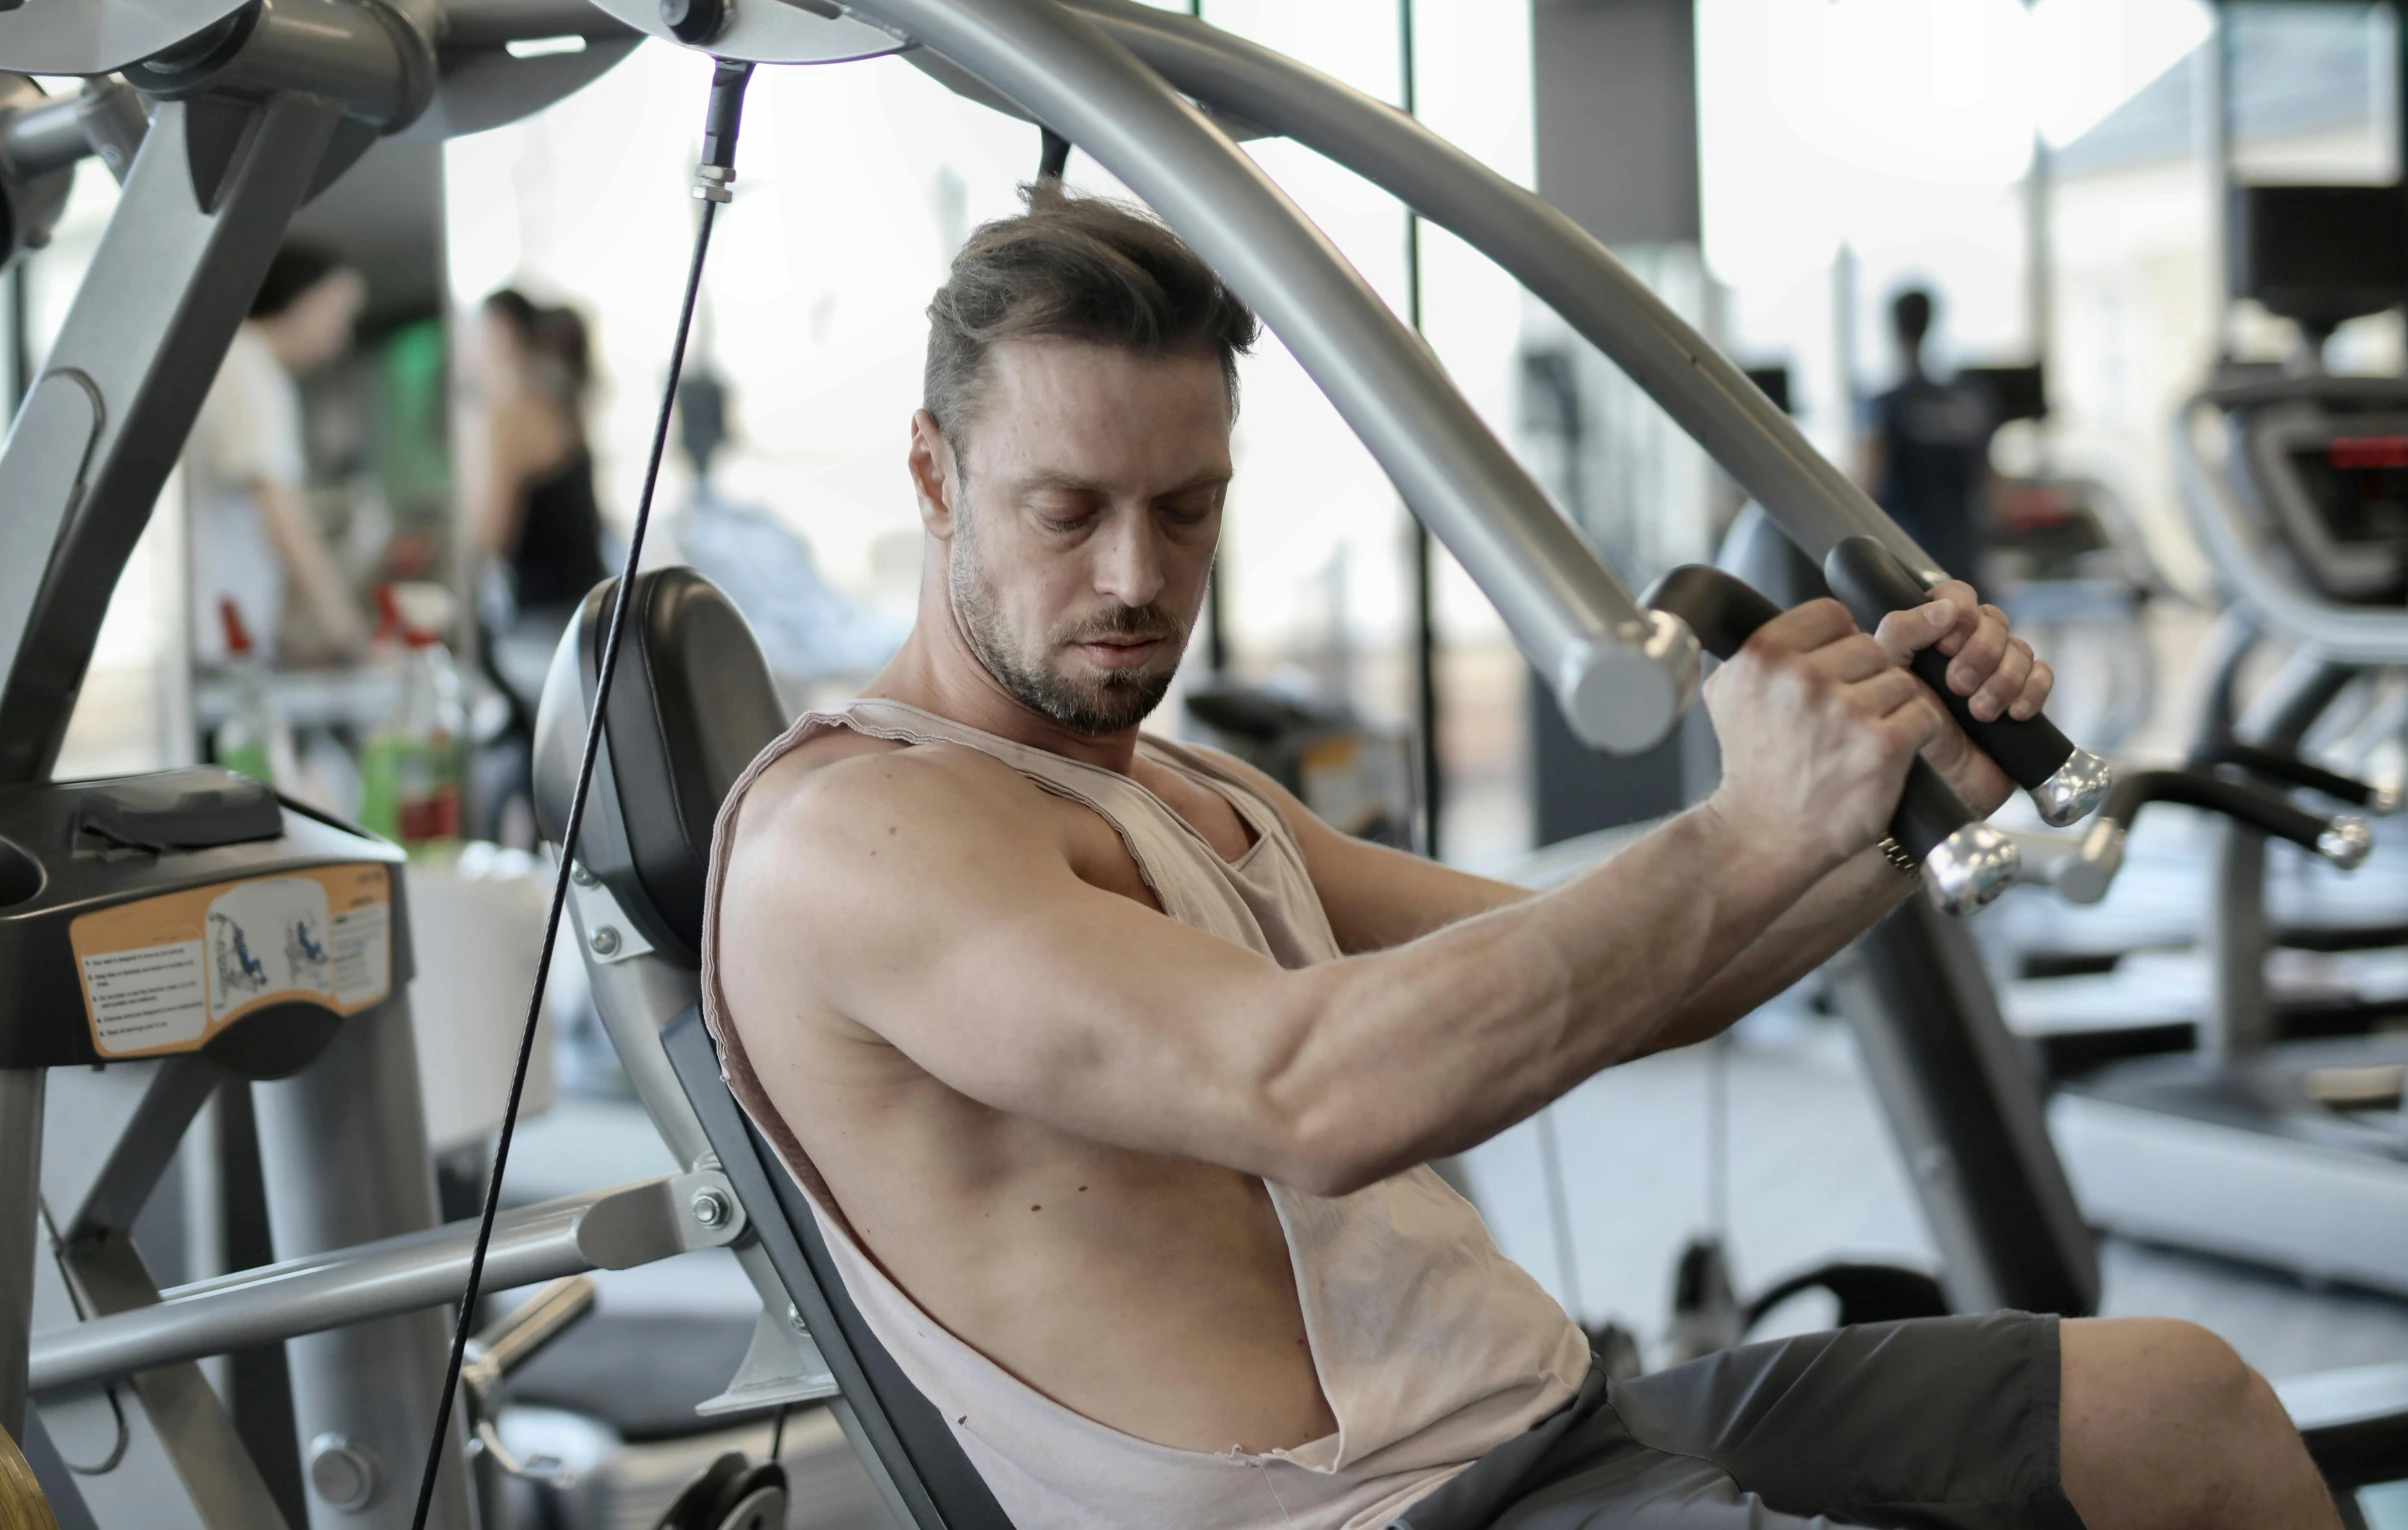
1431,1346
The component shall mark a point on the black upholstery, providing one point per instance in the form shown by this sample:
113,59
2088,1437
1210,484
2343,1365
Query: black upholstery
692,703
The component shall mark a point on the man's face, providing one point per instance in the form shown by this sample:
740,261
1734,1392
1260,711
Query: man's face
1080,536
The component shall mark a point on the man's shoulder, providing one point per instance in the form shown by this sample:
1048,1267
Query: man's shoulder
828,791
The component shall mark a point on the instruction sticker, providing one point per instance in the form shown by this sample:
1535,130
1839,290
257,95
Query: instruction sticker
167,973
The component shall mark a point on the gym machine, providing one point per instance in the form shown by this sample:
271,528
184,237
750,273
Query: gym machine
255,106
2292,1153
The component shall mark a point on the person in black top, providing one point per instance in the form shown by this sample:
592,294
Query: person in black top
531,497
531,514
1927,456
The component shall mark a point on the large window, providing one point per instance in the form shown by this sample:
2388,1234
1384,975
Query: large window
857,183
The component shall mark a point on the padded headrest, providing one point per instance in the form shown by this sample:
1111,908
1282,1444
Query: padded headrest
691,704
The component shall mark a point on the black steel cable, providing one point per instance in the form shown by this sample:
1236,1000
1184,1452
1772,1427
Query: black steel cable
727,95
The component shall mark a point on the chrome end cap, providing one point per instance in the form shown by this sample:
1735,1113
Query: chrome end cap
2086,876
1623,696
2080,785
2347,841
2384,801
1970,868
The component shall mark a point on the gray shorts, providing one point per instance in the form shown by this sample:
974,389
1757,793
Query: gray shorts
1934,1424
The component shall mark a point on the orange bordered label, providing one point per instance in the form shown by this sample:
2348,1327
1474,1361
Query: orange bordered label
168,973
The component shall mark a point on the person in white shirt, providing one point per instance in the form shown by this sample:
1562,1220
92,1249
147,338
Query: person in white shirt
253,539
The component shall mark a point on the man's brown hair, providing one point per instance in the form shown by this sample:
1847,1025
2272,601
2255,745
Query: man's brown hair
1073,268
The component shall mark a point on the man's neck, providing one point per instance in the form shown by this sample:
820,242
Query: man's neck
937,672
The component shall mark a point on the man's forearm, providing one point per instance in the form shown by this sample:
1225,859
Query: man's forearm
1437,1045
1841,907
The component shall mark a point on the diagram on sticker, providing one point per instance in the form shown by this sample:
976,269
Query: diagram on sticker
238,971
267,938
305,951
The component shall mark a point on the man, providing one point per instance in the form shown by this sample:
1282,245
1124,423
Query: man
253,538
1112,1073
1927,457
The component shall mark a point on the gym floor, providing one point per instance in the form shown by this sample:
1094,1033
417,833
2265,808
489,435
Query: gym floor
1813,1176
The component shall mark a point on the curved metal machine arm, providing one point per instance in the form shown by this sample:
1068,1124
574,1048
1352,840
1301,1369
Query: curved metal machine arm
1560,262
1622,674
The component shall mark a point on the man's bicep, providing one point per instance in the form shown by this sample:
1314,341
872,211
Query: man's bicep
1377,897
970,945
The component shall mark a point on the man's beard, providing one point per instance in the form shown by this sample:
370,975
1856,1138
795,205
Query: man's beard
1107,703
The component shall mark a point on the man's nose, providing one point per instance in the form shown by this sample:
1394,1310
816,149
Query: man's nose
1128,563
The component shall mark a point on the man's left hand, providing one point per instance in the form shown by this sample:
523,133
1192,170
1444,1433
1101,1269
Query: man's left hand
1997,671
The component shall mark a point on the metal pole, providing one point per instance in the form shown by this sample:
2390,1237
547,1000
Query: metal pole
20,1233
1216,606
2215,121
605,1229
20,342
2040,261
342,1146
1425,616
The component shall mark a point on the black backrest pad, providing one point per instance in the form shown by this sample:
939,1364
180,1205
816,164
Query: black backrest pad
938,1484
691,705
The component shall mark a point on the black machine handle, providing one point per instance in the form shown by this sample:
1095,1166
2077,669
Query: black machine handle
2344,839
1965,863
2065,782
2285,768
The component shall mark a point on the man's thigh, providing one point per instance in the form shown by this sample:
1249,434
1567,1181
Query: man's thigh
1937,1424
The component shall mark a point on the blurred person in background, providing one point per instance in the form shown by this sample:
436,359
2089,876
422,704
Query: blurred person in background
254,539
534,525
531,508
1927,453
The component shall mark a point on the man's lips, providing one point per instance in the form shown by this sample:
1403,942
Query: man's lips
1120,651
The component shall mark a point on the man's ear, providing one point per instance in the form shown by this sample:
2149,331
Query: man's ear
935,476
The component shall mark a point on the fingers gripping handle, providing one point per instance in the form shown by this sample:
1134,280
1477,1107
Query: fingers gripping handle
1965,863
2065,782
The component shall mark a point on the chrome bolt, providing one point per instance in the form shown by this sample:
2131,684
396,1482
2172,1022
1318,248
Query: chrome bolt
343,1472
710,1207
579,875
606,941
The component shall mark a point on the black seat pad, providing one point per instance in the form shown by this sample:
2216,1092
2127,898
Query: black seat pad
691,704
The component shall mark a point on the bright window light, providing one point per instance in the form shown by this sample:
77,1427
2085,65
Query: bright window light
543,47
2098,56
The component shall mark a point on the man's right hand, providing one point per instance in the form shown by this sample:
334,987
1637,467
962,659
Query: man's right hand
1818,725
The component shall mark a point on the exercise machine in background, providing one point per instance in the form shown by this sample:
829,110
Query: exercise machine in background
2290,1152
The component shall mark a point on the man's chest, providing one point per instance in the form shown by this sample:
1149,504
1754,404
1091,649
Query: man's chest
1101,856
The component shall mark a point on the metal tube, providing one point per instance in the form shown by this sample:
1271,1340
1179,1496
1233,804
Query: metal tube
20,1227
491,23
1623,677
1561,263
96,436
47,138
342,1147
312,1294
